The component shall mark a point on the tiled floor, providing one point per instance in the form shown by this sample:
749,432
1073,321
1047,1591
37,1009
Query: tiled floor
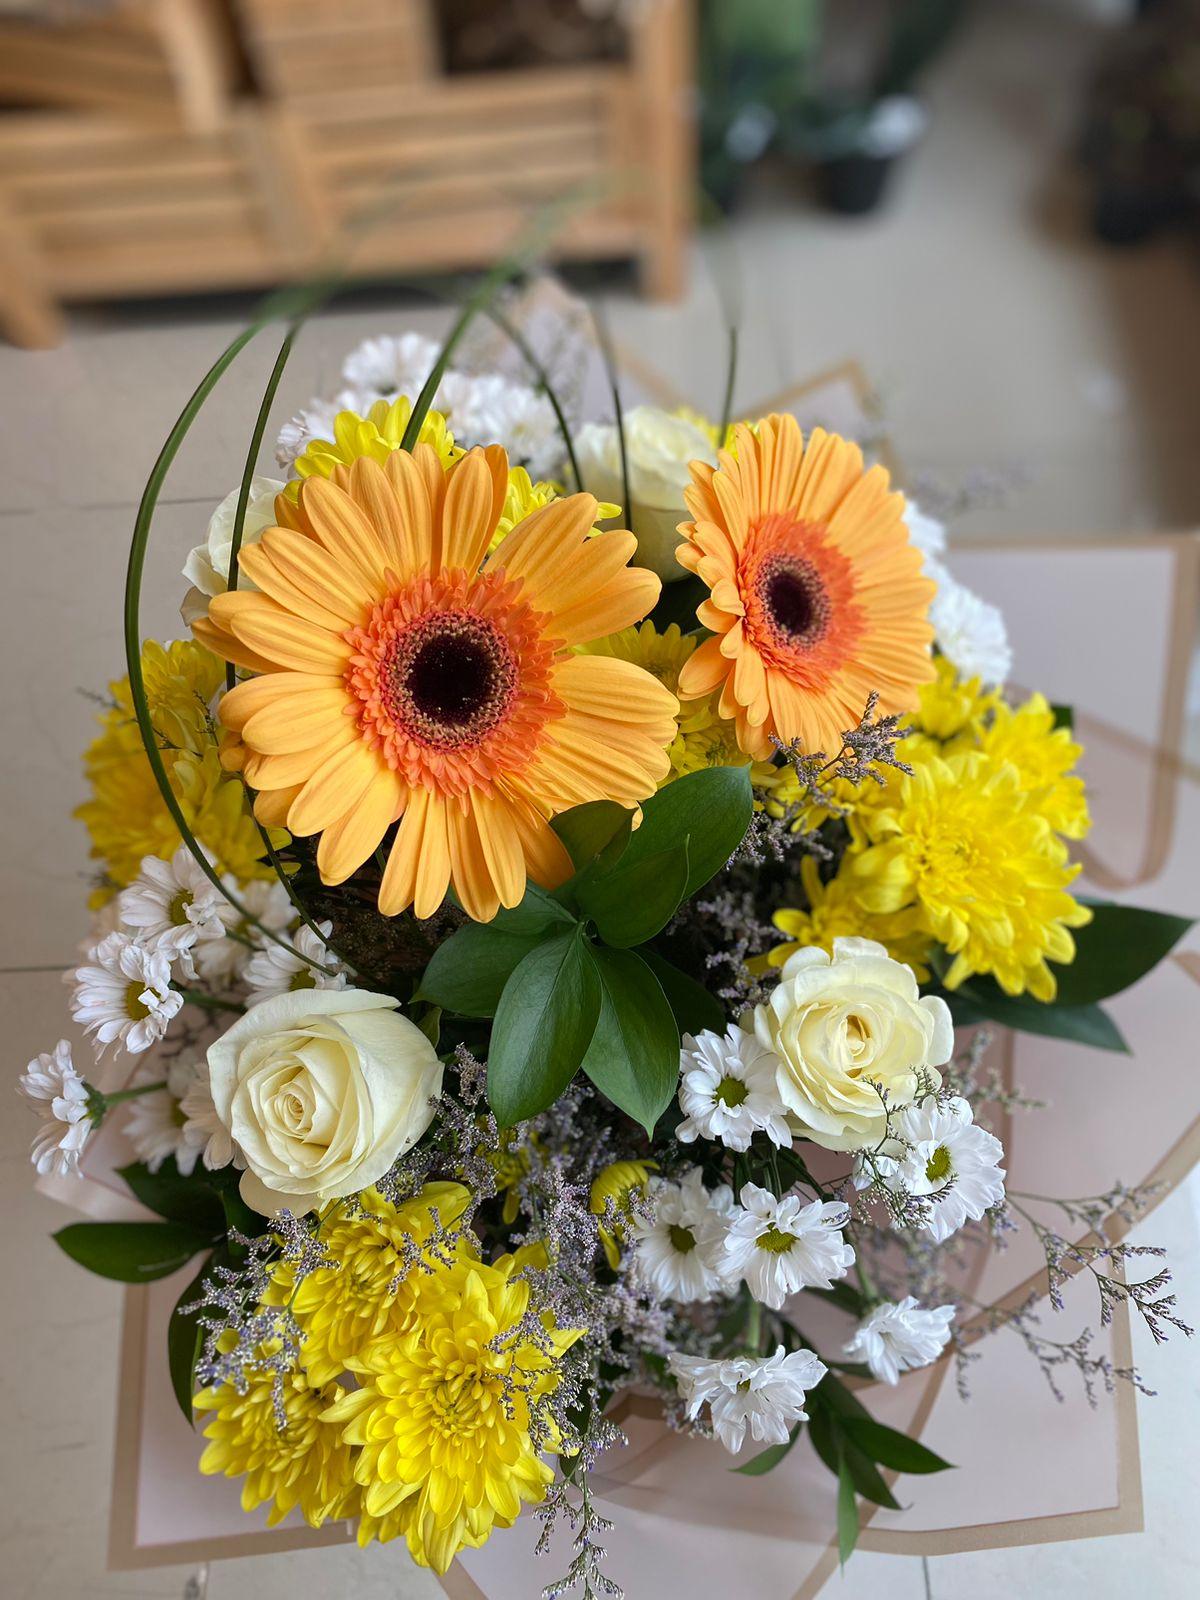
1004,345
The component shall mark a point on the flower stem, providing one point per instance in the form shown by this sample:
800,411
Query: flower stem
207,1002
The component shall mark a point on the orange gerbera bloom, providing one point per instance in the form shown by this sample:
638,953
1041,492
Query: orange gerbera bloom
817,595
403,676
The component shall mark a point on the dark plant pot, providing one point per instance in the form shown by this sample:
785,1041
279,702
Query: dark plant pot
854,185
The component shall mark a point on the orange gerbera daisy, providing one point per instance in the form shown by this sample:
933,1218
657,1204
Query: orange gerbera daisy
817,595
403,676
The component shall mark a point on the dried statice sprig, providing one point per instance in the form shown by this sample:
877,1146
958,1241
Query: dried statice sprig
1053,1356
866,749
570,1499
734,936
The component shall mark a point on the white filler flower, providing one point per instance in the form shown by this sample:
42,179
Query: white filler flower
678,1250
273,970
926,532
171,905
385,366
123,995
897,1337
763,1395
315,421
951,1160
223,961
60,1097
156,1125
968,630
201,1125
728,1090
780,1246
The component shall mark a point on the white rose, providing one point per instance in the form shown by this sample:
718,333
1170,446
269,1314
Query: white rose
838,1027
321,1090
660,448
207,567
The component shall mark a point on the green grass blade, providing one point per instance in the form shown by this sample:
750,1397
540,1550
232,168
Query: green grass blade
610,371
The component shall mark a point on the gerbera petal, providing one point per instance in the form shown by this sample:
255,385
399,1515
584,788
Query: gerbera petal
608,687
297,766
371,489
546,857
342,527
337,786
500,836
297,721
310,568
400,875
469,869
222,643
347,843
469,513
272,806
260,568
240,703
410,485
433,862
704,670
277,635
542,548
625,599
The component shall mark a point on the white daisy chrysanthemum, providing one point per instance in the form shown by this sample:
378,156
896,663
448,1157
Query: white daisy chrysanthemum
728,1090
172,905
952,1161
926,532
275,970
123,994
221,962
678,1248
780,1246
156,1124
202,1126
896,1337
765,1395
387,366
968,630
207,565
486,408
60,1097
315,421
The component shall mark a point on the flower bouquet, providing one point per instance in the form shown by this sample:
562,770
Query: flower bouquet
533,966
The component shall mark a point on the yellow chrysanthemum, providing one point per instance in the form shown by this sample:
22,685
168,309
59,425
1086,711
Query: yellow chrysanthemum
307,1464
125,815
405,676
952,708
443,1413
707,426
618,1182
524,497
1044,757
371,1289
836,911
376,436
967,845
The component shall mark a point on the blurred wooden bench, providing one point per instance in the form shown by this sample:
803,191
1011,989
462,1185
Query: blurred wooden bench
351,150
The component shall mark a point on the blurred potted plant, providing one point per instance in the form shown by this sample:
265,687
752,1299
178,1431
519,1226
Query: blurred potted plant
867,114
753,77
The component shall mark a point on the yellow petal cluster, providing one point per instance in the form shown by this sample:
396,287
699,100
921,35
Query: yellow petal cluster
375,435
442,1435
306,1465
442,1418
968,853
125,815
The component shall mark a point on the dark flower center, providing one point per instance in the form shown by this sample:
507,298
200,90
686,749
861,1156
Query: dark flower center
450,679
794,598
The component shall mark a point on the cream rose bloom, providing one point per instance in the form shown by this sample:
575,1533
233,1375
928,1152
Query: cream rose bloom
660,447
207,566
840,1025
321,1090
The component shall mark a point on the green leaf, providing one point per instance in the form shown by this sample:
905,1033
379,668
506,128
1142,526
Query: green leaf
633,1056
185,1337
891,1448
544,1023
178,1199
132,1252
430,1024
694,1007
598,830
864,1473
1064,716
537,913
468,972
982,1001
823,1439
637,899
766,1459
1119,946
832,1395
713,807
227,1183
847,1514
